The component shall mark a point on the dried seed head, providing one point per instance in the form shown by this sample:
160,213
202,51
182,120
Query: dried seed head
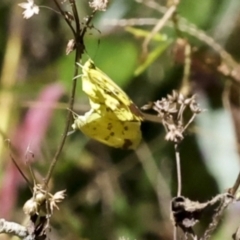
98,5
57,198
40,197
195,108
31,207
42,201
181,98
71,45
174,133
172,110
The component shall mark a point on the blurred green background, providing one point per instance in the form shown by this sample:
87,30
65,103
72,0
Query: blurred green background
113,193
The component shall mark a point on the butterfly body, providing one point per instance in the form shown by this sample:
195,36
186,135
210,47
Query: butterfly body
113,119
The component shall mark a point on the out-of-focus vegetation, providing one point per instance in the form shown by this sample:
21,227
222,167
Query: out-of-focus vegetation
112,192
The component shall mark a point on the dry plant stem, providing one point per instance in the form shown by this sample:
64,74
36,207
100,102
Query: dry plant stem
236,185
175,233
66,19
21,172
179,180
185,86
216,219
69,119
185,26
178,165
190,121
175,24
75,14
158,26
79,51
15,229
155,177
151,118
226,101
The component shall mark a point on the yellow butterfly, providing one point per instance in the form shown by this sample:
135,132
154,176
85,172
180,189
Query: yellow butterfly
113,119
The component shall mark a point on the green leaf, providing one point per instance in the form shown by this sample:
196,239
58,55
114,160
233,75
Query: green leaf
152,56
142,33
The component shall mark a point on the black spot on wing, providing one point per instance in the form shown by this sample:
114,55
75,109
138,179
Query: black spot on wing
92,65
127,144
109,126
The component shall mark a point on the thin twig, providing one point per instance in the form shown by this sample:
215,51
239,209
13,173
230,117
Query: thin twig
175,233
190,121
178,165
80,33
158,27
185,86
156,179
69,119
217,217
236,185
66,19
78,54
75,14
30,185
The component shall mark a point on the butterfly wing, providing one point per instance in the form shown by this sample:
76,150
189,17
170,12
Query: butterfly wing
101,89
108,129
113,119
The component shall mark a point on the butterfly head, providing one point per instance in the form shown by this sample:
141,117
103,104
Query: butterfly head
89,64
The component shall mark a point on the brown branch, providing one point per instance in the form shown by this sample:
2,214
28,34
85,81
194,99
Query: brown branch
226,200
65,17
15,229
158,27
78,53
79,40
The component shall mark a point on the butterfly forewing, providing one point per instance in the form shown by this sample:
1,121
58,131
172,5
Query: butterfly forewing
105,89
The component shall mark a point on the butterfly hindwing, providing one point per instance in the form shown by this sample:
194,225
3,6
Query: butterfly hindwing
109,130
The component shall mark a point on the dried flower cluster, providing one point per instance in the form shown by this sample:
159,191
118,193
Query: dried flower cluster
171,112
39,199
99,5
186,213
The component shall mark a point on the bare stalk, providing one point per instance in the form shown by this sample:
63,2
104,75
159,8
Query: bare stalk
161,23
15,229
178,165
65,17
78,53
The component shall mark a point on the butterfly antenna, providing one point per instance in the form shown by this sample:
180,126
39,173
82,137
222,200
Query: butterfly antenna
29,165
22,173
17,166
